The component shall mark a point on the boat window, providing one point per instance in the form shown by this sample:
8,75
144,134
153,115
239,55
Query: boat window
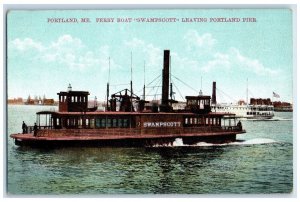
71,122
120,123
92,123
206,120
125,123
103,123
108,122
86,122
202,104
80,123
114,122
98,125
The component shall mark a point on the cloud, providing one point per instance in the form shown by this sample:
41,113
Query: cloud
26,44
184,62
202,51
233,60
66,51
220,61
152,54
69,51
194,40
249,64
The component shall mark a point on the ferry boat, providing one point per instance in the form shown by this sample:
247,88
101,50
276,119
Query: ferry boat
257,112
148,124
258,109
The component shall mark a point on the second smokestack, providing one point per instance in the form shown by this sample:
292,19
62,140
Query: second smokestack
213,97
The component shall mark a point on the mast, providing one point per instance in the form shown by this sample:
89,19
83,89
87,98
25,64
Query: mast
131,105
171,87
201,92
247,93
144,89
107,87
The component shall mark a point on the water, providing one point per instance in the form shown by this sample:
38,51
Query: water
261,162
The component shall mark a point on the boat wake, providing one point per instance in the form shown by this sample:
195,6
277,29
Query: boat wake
272,119
281,119
241,142
179,143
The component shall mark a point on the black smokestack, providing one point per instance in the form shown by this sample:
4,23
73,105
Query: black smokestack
213,97
165,81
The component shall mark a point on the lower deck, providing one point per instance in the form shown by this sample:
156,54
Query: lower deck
122,140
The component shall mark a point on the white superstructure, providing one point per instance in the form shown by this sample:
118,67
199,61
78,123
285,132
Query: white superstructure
246,111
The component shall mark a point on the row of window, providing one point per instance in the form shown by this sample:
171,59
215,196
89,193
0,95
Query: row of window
111,123
73,98
202,121
94,122
244,108
257,113
198,102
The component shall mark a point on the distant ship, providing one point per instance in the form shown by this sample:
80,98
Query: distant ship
260,109
246,111
123,124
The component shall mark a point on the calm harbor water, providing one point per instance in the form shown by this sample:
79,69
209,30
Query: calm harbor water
261,164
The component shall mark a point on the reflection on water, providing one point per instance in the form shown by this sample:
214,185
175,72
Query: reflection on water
261,167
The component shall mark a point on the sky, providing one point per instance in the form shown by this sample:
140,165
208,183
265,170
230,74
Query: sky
44,56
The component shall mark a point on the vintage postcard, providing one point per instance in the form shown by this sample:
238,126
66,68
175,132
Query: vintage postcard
149,101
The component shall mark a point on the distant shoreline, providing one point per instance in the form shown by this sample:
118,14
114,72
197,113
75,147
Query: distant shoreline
31,104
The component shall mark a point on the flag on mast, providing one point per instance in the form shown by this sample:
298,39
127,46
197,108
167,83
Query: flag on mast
276,95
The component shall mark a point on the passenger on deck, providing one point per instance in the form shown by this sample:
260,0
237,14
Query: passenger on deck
35,128
239,125
24,128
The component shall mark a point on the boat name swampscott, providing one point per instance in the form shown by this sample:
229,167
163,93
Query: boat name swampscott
162,124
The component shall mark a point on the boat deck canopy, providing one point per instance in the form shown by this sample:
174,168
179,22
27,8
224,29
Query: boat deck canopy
46,112
129,113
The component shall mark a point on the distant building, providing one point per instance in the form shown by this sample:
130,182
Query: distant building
29,101
15,101
48,101
39,101
241,102
282,106
260,101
